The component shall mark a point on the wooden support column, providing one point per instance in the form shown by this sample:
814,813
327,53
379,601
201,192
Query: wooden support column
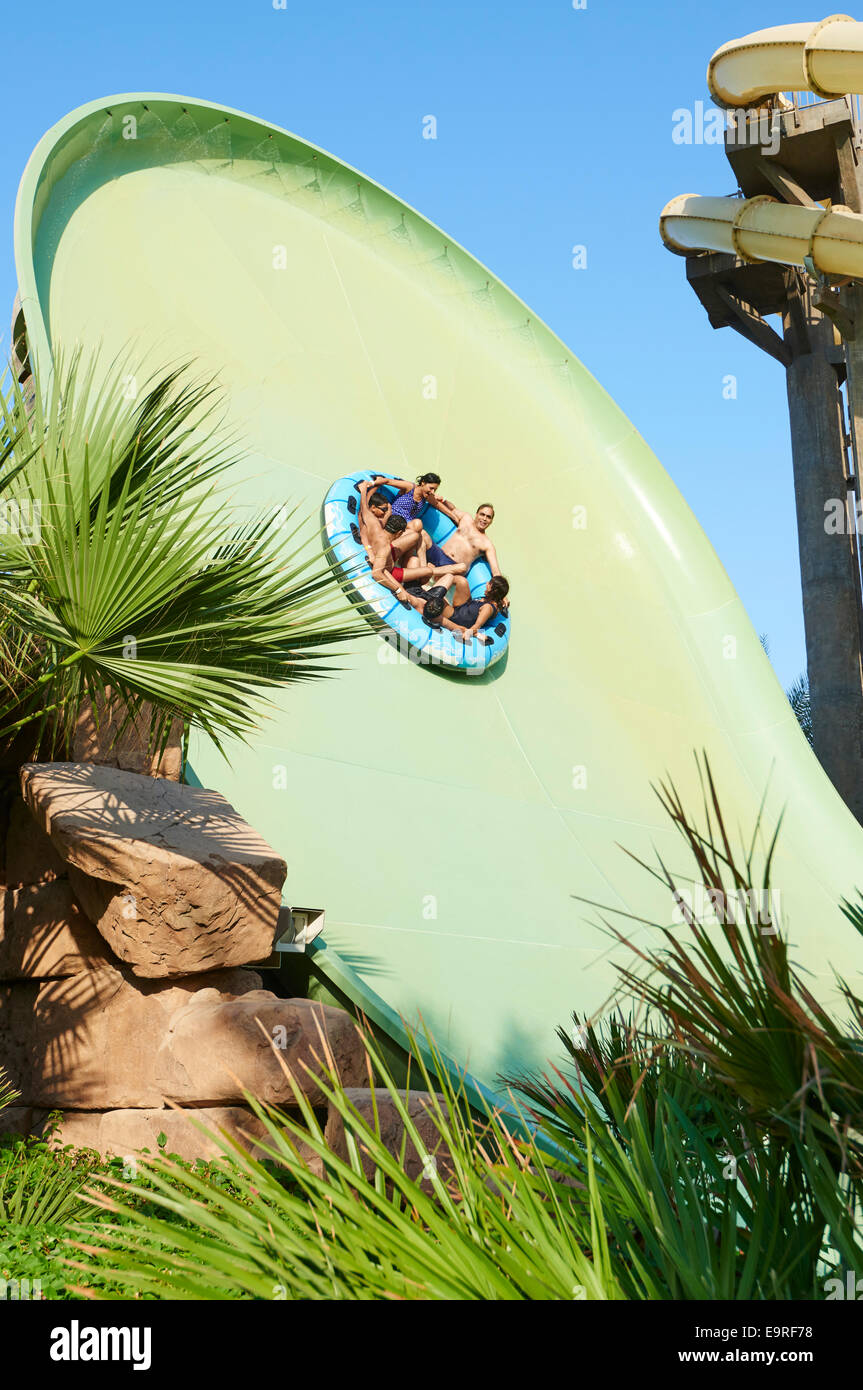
830,606
819,160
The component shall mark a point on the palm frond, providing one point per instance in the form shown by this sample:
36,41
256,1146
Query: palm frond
800,702
134,581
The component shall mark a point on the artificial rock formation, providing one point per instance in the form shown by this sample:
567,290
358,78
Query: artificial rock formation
174,879
44,933
82,1032
105,1041
117,1017
260,1042
125,1132
122,1132
379,1111
108,736
30,856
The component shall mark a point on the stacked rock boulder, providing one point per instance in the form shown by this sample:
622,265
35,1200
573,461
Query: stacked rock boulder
132,908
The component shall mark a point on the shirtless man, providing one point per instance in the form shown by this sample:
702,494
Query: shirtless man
375,510
467,542
392,560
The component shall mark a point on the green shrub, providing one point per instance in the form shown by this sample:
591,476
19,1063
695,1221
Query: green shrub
705,1145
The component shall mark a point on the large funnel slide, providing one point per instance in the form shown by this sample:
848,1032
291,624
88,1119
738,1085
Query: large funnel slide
825,58
450,827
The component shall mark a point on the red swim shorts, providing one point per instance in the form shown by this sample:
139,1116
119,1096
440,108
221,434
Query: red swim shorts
398,575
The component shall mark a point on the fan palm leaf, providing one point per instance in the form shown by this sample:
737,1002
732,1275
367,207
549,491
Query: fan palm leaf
133,580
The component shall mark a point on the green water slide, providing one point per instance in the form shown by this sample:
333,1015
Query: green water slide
449,826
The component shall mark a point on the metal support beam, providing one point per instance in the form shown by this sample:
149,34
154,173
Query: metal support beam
834,303
749,322
785,184
849,170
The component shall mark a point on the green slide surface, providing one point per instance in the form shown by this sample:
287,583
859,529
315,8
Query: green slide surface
449,826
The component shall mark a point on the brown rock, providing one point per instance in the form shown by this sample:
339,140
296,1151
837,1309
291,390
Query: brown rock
92,1042
8,794
184,884
216,1048
44,933
101,737
124,1133
30,855
22,1119
105,1041
127,1133
23,746
388,1123
16,1031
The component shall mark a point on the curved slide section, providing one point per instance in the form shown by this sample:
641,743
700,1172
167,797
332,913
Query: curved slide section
763,229
825,58
449,827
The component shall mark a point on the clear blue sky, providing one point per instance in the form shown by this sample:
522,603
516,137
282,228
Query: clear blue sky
554,129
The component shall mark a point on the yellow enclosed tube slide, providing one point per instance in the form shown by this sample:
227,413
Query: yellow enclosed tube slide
762,229
826,58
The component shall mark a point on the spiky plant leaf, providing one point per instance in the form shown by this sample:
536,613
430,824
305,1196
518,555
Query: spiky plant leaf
134,581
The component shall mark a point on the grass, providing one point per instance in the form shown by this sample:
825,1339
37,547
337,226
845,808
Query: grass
492,1219
46,1193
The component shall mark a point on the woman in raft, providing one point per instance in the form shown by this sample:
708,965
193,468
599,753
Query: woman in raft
411,503
414,497
466,619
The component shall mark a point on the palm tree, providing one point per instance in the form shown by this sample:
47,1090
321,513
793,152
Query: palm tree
797,695
798,698
119,572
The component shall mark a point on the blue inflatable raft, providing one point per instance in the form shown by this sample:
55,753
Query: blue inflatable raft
399,623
